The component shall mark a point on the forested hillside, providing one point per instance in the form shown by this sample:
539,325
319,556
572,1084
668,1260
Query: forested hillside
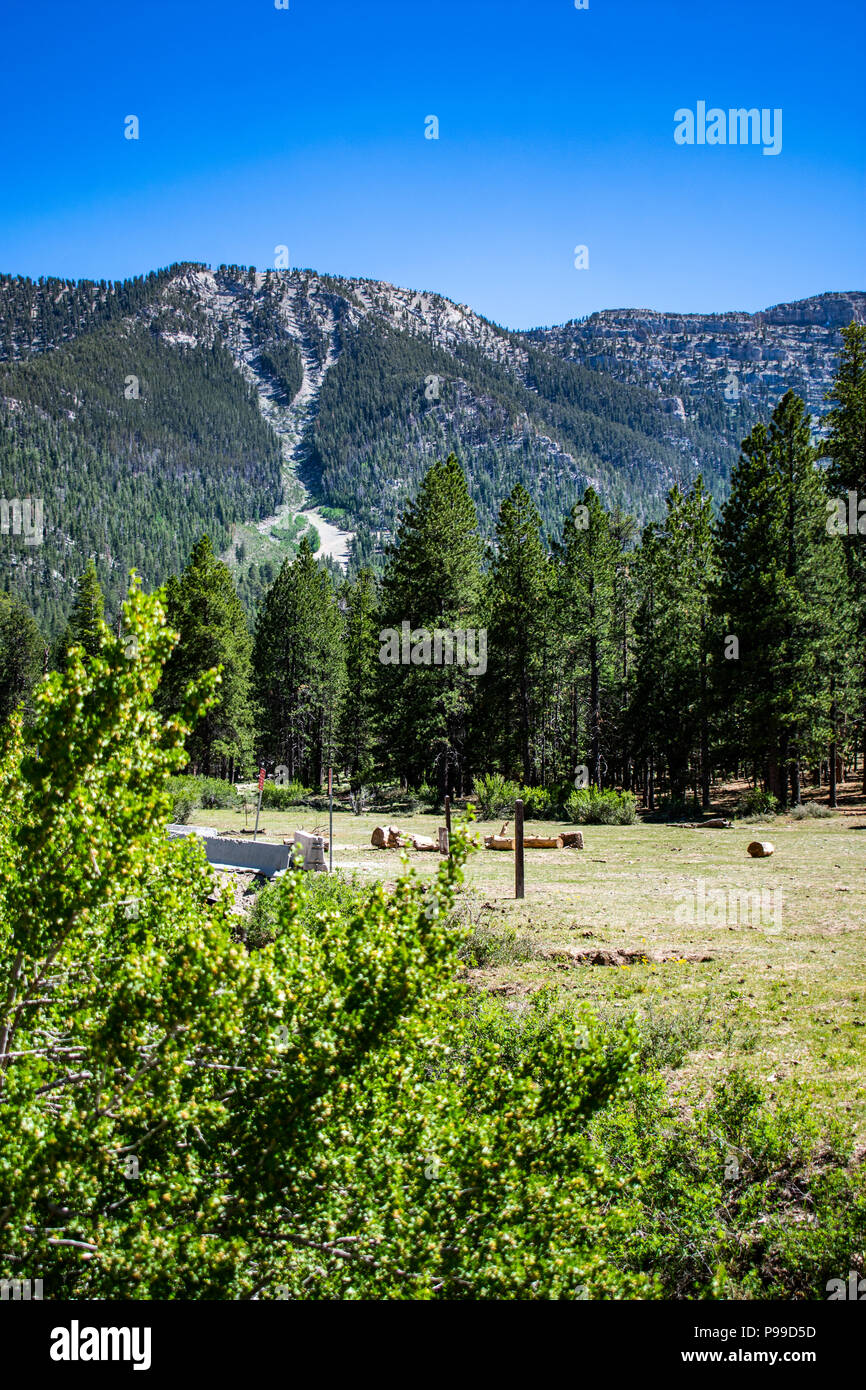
191,401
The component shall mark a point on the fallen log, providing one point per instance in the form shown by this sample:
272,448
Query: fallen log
498,842
542,841
387,837
424,842
761,849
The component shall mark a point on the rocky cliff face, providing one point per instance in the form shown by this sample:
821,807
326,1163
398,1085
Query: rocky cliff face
756,357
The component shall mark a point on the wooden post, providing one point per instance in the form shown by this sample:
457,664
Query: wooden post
448,822
518,849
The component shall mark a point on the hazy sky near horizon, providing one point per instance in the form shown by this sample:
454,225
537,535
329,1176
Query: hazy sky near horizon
305,127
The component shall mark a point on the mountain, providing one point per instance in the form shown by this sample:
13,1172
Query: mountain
701,356
251,405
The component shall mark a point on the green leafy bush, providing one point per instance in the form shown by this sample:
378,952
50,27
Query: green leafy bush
740,1200
589,806
538,804
494,796
322,893
182,809
756,802
209,793
282,798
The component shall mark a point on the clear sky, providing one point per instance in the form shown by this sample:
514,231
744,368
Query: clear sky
306,127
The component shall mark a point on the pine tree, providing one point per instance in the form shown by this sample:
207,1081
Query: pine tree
298,660
782,595
86,618
586,562
432,581
519,637
673,638
22,655
361,646
846,448
203,607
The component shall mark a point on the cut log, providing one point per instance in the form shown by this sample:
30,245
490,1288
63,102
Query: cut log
572,839
424,842
387,837
716,823
498,842
542,841
760,849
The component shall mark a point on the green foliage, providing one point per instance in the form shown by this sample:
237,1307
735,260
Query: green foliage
323,894
756,802
204,608
812,810
323,1093
282,798
494,795
538,803
298,660
739,1200
22,656
209,793
588,806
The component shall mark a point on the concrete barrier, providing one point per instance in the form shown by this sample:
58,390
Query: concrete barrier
313,850
254,856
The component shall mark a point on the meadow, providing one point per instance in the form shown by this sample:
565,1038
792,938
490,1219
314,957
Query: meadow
783,997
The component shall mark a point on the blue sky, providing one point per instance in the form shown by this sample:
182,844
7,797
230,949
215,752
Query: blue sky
305,127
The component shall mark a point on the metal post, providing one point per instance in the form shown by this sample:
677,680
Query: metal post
518,849
330,820
259,807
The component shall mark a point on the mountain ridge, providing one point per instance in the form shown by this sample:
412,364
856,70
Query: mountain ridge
357,385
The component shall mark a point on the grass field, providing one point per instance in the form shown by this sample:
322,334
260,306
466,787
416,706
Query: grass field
783,996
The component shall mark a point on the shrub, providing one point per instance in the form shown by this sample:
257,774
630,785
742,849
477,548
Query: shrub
494,795
209,793
322,893
811,810
538,803
281,798
588,806
756,802
182,809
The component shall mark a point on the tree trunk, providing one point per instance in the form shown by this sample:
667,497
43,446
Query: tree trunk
833,768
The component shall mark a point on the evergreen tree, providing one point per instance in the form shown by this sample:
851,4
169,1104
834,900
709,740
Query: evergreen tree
298,660
673,639
432,581
782,596
22,655
88,613
586,562
361,646
519,639
846,447
203,607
